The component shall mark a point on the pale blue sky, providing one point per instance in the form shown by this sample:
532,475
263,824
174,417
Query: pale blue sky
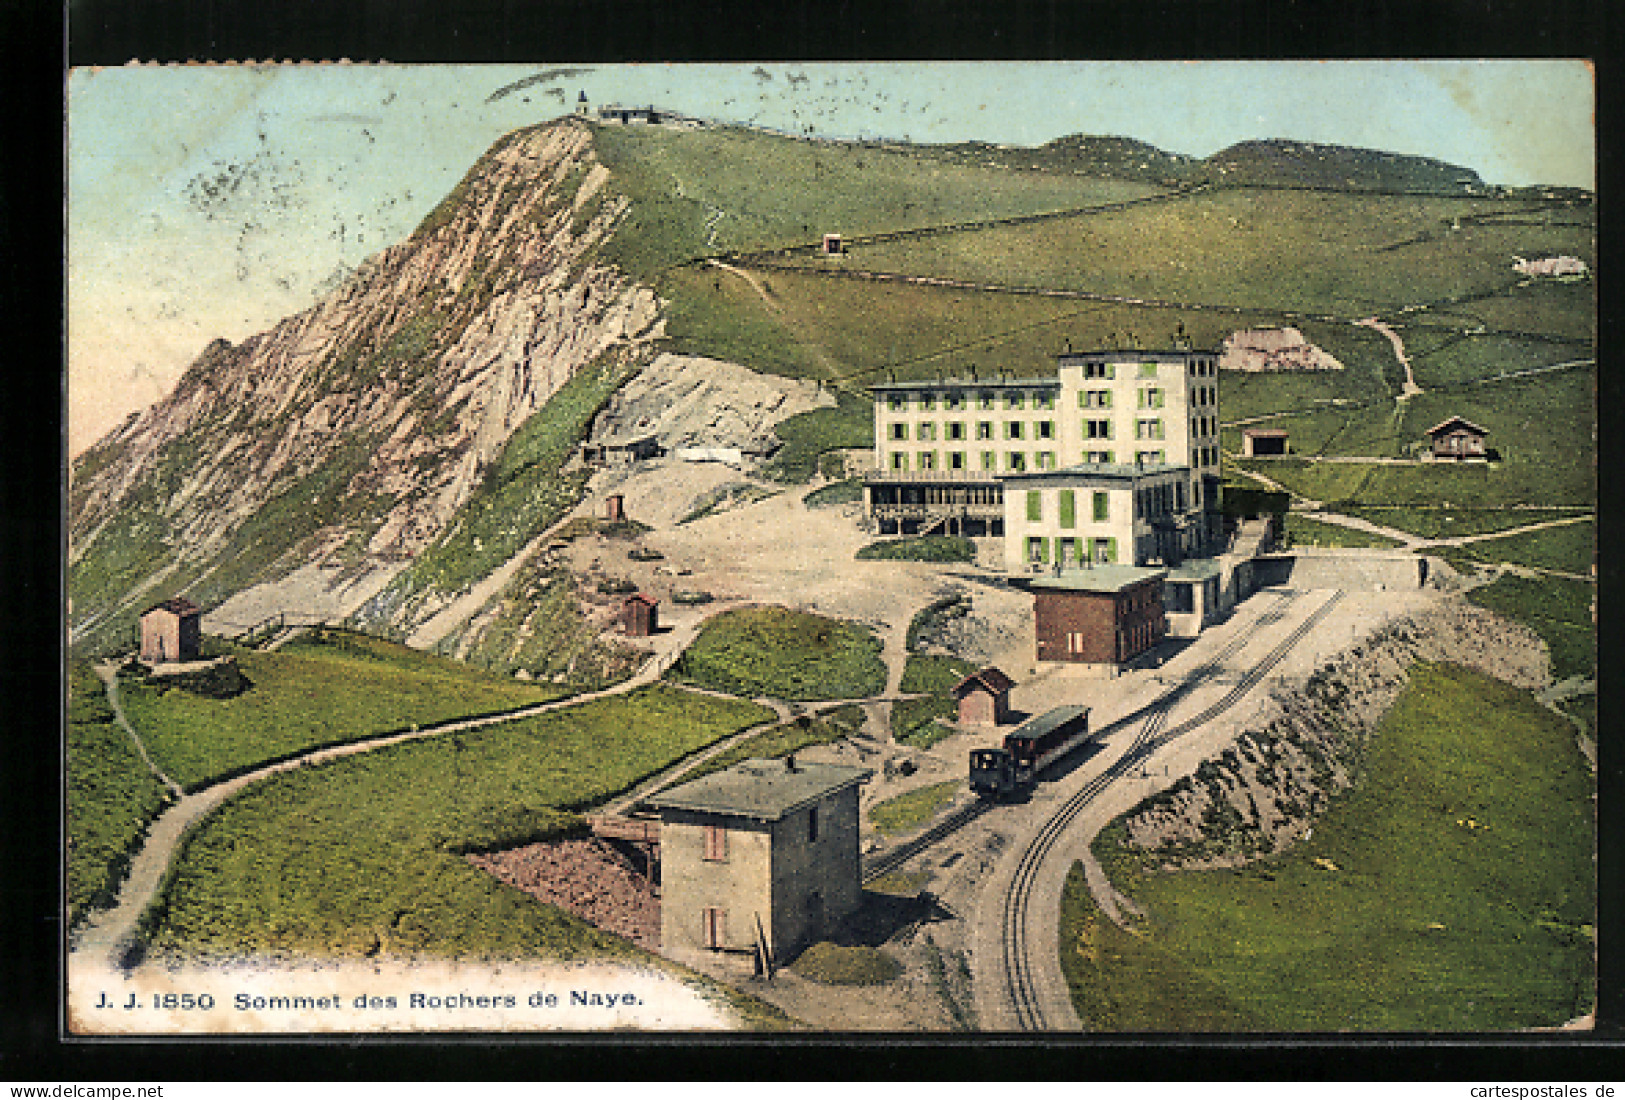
211,202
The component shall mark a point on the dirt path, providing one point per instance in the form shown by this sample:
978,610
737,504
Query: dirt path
108,672
1410,389
109,934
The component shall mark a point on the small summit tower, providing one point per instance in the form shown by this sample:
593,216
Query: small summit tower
581,104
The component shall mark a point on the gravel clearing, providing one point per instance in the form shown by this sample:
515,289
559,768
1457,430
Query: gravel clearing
589,878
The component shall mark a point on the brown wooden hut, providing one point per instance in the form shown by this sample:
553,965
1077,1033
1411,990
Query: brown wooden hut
1457,439
171,631
638,615
984,698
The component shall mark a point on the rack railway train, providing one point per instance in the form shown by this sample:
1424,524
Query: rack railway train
1032,747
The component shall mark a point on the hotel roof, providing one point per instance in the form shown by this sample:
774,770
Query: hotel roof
1099,578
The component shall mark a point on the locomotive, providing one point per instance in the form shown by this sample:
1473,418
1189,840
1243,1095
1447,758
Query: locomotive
1032,747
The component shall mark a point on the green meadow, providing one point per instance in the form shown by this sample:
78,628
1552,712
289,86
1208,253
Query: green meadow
1451,889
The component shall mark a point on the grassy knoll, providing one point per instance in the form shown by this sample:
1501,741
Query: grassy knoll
835,964
1457,360
1444,521
783,654
1567,549
1166,992
786,738
1231,246
1453,889
1583,708
849,491
1559,610
914,721
919,548
360,856
112,796
335,687
781,191
909,811
1302,530
809,435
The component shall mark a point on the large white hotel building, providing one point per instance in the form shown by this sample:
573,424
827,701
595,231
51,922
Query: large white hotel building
1115,460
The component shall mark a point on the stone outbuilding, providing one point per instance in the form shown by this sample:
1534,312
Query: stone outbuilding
1457,439
1105,616
984,698
832,244
760,859
639,615
1264,442
172,631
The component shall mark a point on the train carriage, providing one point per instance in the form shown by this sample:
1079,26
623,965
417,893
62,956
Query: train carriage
1034,746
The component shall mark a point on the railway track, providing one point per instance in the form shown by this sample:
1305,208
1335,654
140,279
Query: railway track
889,861
1018,967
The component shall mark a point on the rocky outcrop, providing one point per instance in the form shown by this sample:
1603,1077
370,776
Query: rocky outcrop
352,433
1273,349
687,401
1259,795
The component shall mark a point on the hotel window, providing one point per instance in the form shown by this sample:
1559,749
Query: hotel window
899,431
1013,429
896,402
928,433
928,460
1044,401
1046,429
1102,506
1015,401
954,402
1069,508
899,461
928,401
956,430
1046,460
1097,429
1037,550
1148,429
1148,370
1035,506
1095,399
1015,460
1098,457
985,399
984,429
989,461
1100,370
956,460
1148,458
716,843
1151,399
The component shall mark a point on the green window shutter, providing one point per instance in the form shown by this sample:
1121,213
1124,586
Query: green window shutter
1111,550
1043,551
1102,507
1106,400
1069,515
1035,506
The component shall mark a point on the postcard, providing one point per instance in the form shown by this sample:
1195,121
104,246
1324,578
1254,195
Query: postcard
1063,548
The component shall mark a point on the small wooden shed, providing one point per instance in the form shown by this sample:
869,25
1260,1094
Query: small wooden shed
1457,439
1263,442
638,615
614,508
171,631
984,698
832,244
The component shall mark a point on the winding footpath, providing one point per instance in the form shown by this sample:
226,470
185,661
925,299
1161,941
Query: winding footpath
111,935
1410,389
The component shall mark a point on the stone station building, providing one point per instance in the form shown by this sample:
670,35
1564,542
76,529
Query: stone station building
760,858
